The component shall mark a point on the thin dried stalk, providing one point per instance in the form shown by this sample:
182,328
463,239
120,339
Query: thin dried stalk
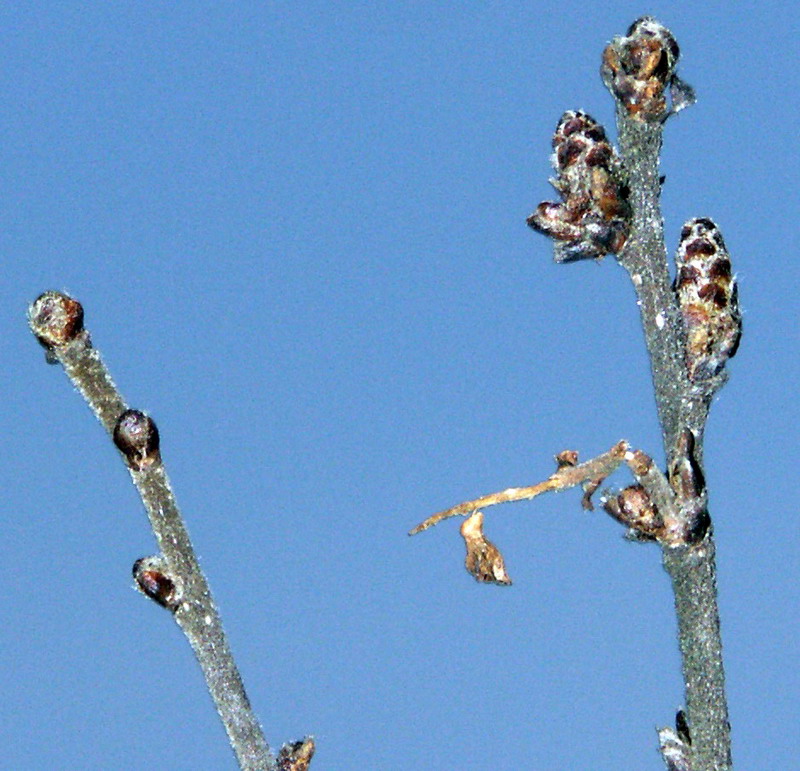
565,477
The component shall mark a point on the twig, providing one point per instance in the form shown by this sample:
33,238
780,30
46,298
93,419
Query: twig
610,204
681,405
173,578
565,477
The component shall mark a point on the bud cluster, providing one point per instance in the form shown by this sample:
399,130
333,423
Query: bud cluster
639,67
708,299
592,219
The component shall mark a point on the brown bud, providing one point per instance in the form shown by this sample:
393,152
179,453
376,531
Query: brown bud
56,319
592,219
640,463
297,755
567,458
634,509
685,475
688,483
136,437
709,299
553,220
484,560
639,70
151,579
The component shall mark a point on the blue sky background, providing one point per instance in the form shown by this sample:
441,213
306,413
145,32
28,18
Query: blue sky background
298,231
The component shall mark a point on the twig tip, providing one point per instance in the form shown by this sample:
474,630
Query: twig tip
55,318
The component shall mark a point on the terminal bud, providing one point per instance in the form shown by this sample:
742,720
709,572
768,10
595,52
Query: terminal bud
56,319
639,70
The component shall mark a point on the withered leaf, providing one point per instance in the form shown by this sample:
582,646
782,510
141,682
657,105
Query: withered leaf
484,560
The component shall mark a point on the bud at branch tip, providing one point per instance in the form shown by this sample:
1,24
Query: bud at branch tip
56,319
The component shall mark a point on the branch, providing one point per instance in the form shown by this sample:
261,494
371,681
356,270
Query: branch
173,578
567,475
637,83
610,204
651,509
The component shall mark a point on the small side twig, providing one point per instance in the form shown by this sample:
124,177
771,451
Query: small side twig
173,578
566,476
655,487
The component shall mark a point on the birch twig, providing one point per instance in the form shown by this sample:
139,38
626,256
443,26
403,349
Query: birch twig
173,578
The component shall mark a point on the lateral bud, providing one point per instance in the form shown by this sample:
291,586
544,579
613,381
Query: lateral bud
296,756
633,508
484,560
682,727
639,70
685,475
677,754
708,297
152,579
55,319
566,458
592,219
688,482
136,437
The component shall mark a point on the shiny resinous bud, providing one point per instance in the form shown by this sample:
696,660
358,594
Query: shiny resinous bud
592,218
708,298
136,437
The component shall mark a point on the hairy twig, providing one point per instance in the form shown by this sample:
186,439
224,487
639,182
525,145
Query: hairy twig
173,578
682,405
